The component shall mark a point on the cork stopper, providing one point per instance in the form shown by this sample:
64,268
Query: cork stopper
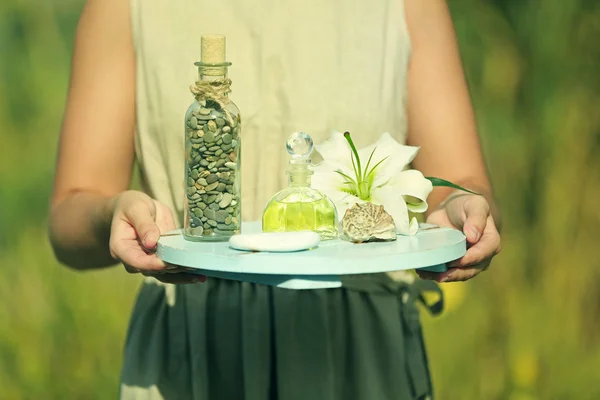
213,49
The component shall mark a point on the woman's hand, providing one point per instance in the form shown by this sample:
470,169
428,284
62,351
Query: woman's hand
470,214
137,224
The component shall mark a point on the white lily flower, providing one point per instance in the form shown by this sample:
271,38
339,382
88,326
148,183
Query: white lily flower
389,184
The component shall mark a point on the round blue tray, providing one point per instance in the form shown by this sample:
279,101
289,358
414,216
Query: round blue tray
430,249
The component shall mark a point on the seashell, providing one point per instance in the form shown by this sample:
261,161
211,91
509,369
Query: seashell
367,222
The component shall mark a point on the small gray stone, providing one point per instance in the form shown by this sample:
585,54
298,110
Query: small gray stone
218,153
198,212
229,188
190,181
228,221
204,219
224,227
214,206
219,197
221,187
234,143
201,205
226,200
212,165
196,221
220,141
210,214
231,165
221,215
226,129
226,147
201,149
194,174
204,163
227,138
212,178
195,196
205,111
212,223
191,190
212,126
220,122
209,137
211,186
211,199
221,162
197,231
193,123
214,148
229,210
202,181
206,226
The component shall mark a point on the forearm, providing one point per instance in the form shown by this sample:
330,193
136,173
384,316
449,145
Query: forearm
79,230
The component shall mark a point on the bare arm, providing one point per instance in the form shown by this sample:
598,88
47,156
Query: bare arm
442,123
440,115
96,142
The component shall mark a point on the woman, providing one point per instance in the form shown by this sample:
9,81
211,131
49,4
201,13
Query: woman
366,67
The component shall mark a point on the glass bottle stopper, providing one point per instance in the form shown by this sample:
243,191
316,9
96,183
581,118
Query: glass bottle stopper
299,145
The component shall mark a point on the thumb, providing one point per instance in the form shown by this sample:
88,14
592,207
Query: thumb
476,213
142,219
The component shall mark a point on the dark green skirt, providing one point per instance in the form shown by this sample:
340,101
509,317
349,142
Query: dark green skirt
226,340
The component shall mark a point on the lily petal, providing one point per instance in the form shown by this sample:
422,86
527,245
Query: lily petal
394,204
336,148
399,156
413,183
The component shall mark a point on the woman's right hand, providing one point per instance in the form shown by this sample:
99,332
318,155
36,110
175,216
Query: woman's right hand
137,223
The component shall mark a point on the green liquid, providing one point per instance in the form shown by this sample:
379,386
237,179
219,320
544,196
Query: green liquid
318,216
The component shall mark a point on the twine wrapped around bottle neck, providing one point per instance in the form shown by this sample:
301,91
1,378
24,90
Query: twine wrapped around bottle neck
216,91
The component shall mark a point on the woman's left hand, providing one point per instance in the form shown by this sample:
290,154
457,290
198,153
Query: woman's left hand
470,214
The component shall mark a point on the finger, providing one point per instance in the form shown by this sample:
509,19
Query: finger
164,218
486,248
477,211
141,217
130,269
459,274
175,269
431,276
130,253
180,278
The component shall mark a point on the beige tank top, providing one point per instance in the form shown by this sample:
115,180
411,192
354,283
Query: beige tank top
298,65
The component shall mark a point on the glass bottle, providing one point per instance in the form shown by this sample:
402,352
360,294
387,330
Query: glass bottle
300,207
212,151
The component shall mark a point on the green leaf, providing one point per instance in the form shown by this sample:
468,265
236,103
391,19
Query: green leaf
441,182
371,173
349,139
364,177
348,178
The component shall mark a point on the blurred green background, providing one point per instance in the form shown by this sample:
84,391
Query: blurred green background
528,329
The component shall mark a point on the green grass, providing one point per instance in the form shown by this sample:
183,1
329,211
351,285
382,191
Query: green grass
527,329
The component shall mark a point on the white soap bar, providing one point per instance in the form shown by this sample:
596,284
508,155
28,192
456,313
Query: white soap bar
275,241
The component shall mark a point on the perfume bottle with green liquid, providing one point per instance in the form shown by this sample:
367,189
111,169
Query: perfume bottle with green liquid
300,207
